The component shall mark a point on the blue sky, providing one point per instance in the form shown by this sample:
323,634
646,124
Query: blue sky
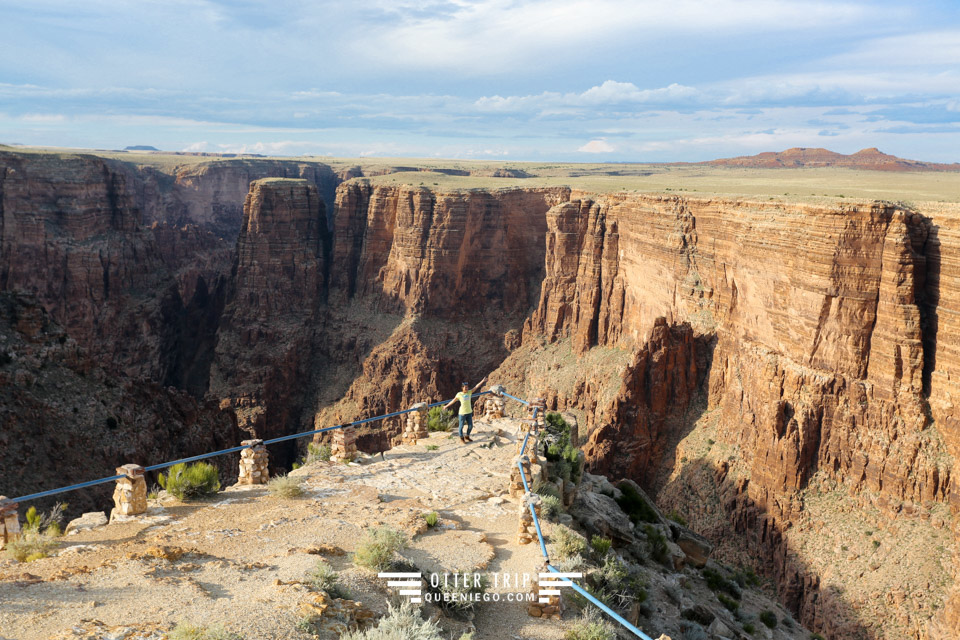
571,80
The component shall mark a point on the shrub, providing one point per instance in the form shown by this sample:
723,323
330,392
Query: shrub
747,577
324,578
768,618
439,419
432,518
635,506
551,506
32,545
318,452
400,623
567,542
546,489
600,545
187,631
749,628
379,546
186,482
728,602
676,517
432,447
693,631
717,582
285,487
699,615
591,626
657,544
572,563
616,585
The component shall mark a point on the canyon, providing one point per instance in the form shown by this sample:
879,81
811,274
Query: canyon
771,370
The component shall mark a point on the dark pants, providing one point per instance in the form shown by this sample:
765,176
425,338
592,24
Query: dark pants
466,418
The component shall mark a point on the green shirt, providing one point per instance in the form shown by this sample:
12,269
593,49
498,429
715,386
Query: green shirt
464,398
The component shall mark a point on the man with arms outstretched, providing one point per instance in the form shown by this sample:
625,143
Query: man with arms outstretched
466,408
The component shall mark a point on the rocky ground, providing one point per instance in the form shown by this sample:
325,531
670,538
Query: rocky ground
240,558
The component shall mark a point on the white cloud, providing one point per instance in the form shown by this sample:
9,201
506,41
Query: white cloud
597,146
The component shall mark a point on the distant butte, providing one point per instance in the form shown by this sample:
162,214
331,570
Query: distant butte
871,159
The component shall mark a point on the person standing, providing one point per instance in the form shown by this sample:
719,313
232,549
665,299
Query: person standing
465,416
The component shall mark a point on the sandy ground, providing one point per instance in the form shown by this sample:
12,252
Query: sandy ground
226,560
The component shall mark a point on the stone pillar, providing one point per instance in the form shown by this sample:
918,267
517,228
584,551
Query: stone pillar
130,495
494,404
532,446
9,521
254,463
343,448
527,532
546,606
540,404
416,425
516,481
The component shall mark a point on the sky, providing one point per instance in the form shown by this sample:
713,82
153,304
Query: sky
556,80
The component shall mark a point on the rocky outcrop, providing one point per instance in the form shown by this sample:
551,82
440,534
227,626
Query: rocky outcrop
138,299
871,159
266,334
64,419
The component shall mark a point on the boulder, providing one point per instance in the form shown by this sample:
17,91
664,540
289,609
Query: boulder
90,520
718,628
600,515
696,548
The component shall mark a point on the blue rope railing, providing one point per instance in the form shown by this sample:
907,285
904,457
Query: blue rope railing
223,452
546,557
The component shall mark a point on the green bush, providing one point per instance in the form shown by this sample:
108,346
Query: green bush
186,482
551,506
717,582
400,623
285,487
600,545
616,585
635,506
568,542
39,535
432,447
187,631
439,419
432,518
591,626
657,544
378,548
324,578
768,618
749,628
318,452
728,602
546,489
676,517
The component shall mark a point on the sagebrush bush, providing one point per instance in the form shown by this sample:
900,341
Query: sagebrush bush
193,481
378,548
657,544
551,506
324,578
591,626
31,545
568,542
285,487
400,623
188,631
460,594
439,419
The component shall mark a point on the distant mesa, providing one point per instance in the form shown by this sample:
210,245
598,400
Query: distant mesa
871,159
140,147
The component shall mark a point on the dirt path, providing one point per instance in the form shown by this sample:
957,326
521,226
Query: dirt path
227,560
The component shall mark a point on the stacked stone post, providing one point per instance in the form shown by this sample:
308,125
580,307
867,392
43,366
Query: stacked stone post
344,445
527,531
540,404
9,521
532,446
130,495
517,489
545,606
495,404
416,424
254,463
